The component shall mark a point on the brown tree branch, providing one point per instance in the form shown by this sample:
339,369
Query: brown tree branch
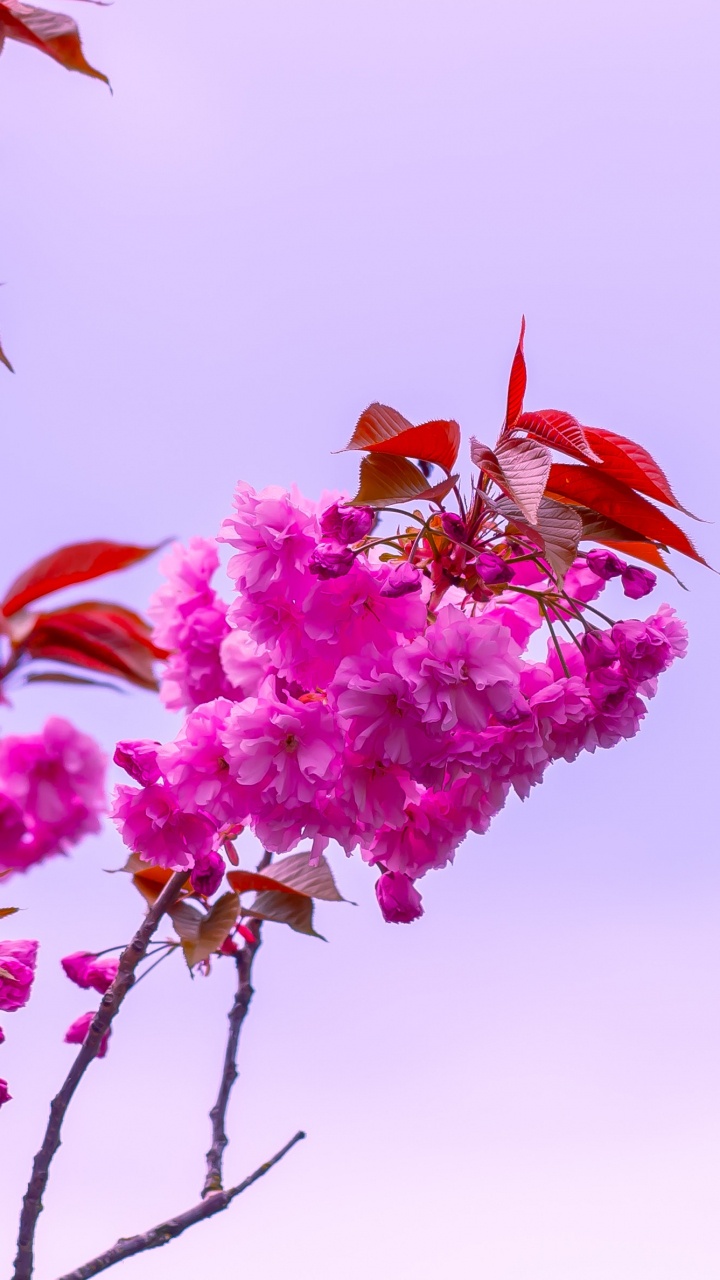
109,1006
214,1203
236,1017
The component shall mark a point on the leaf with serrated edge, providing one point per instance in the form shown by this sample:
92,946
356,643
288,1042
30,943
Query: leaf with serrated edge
187,921
589,487
559,529
517,383
316,881
386,481
293,909
558,430
214,928
384,430
519,467
627,461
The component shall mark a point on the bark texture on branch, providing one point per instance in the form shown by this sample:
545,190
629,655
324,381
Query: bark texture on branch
169,1230
109,1006
243,995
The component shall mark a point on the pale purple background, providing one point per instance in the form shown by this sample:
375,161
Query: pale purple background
287,210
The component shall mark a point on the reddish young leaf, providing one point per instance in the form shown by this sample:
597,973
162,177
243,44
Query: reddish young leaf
98,614
384,430
377,424
293,909
386,481
627,461
517,383
52,33
91,641
519,467
589,487
558,430
78,562
292,874
557,533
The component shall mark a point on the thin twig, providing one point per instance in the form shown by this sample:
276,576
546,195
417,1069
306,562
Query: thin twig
127,1246
236,1017
243,995
109,1006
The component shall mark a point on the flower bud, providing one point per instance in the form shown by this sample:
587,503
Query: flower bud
398,898
637,582
326,562
453,526
207,875
5,1095
492,569
402,579
605,564
77,1031
346,524
599,649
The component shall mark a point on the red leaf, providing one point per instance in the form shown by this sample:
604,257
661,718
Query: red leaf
75,563
627,461
384,430
519,467
52,33
92,640
589,487
558,430
386,481
517,383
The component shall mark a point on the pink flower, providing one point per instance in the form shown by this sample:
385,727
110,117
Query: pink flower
428,839
57,779
643,649
5,1095
77,1032
463,671
398,898
2,1036
17,973
139,759
191,619
675,631
12,831
384,723
153,825
274,538
245,666
87,970
287,751
195,767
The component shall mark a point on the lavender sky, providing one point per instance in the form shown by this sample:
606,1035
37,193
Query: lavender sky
288,210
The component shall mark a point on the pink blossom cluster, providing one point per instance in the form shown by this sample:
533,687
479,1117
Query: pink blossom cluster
328,701
51,793
17,973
